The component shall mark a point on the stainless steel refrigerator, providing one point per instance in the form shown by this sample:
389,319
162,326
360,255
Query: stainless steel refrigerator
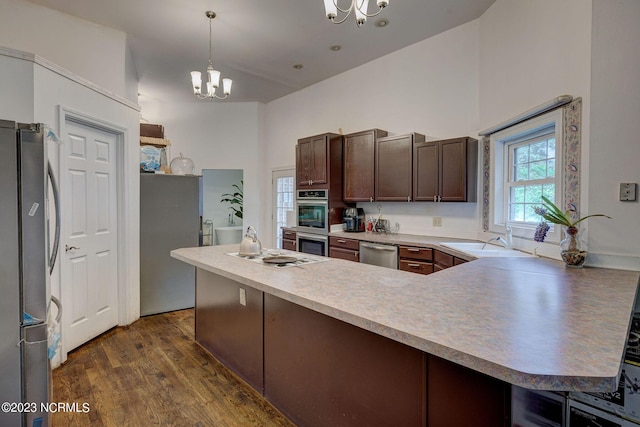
25,264
169,219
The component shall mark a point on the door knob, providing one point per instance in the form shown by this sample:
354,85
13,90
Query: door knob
68,248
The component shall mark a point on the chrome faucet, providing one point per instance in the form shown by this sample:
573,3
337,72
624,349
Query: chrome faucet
508,243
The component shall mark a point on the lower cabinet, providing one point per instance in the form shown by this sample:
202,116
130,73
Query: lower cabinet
232,332
288,239
416,260
342,248
320,371
461,397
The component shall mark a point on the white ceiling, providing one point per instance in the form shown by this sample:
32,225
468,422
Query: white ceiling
257,42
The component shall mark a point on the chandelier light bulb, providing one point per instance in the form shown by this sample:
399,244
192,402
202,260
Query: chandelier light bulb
358,7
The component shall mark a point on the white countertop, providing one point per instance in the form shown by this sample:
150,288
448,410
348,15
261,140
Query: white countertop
528,321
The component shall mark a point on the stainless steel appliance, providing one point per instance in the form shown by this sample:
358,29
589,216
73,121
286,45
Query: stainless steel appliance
315,244
313,211
536,408
169,219
353,220
26,260
380,255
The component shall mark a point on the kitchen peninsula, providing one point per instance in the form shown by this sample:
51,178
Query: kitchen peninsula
365,341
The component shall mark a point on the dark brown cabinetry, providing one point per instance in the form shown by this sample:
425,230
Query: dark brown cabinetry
319,161
320,371
416,260
359,165
485,401
288,239
445,171
342,248
394,167
229,329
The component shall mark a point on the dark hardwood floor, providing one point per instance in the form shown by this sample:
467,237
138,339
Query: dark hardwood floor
152,373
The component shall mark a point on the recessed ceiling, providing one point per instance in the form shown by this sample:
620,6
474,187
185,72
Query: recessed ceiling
256,43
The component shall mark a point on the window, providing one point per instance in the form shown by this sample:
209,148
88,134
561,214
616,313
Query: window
284,192
532,172
527,159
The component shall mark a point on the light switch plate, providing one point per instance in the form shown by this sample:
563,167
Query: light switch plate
628,192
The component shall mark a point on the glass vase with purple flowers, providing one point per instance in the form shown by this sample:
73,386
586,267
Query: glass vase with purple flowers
573,248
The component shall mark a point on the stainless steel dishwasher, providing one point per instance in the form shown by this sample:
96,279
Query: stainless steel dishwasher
376,254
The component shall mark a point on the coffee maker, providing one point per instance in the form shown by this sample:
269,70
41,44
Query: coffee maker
353,220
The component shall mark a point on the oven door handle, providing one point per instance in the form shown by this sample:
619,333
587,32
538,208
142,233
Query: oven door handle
315,237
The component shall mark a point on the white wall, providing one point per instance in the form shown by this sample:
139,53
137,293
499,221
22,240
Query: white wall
89,50
16,87
614,155
215,135
430,87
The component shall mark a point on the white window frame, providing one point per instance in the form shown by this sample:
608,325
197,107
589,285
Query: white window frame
288,172
499,152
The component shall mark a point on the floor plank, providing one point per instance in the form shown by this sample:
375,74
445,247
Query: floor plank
153,373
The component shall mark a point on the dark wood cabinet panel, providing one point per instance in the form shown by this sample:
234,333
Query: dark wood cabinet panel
346,254
320,371
414,266
288,239
442,259
359,165
412,252
426,170
446,171
394,167
232,332
461,397
317,161
458,261
311,166
344,243
289,245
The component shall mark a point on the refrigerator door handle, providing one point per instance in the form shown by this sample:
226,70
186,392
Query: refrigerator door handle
56,202
58,304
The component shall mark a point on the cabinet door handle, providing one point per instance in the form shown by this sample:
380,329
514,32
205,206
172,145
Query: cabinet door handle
408,198
288,233
371,199
435,198
355,254
342,241
413,249
414,265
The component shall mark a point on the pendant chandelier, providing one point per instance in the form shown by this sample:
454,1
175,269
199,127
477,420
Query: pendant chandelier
214,75
358,7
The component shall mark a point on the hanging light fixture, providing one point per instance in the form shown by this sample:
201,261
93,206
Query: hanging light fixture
214,75
359,7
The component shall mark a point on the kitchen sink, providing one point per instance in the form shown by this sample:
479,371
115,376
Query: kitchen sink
475,249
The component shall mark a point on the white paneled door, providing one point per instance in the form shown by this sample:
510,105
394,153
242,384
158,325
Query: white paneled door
89,241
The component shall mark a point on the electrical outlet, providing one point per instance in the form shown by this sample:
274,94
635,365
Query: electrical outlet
628,192
437,221
243,297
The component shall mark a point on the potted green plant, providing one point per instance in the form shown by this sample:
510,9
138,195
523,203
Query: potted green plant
235,199
572,249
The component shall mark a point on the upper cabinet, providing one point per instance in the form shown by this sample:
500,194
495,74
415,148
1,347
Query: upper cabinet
394,167
319,162
445,171
359,165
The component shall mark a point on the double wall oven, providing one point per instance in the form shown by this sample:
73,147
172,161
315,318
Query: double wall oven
312,223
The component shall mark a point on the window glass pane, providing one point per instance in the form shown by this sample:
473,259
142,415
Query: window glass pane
521,172
538,151
538,170
533,194
551,168
549,191
517,194
516,212
551,148
521,154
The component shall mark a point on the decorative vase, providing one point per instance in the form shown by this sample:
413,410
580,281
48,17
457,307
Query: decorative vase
573,249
